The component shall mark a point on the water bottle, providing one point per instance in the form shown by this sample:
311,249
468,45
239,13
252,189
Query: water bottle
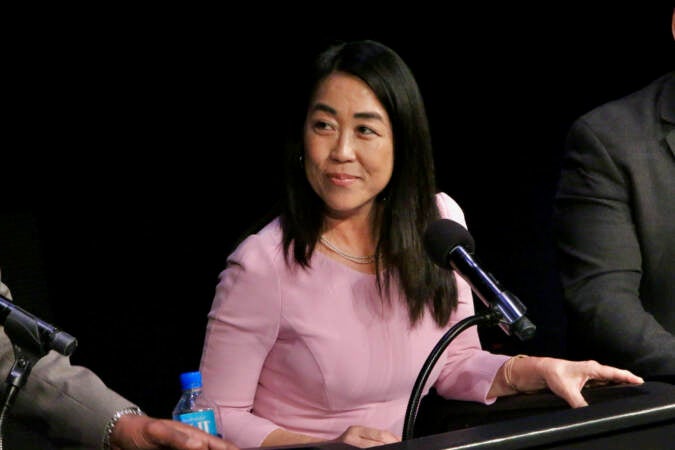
187,409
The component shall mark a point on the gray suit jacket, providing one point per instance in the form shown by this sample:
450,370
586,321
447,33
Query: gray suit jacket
69,404
615,225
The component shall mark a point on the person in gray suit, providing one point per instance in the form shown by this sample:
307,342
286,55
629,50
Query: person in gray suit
614,222
72,406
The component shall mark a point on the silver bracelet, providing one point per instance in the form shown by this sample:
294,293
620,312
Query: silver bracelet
107,431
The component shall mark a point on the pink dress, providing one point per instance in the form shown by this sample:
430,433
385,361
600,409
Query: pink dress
315,351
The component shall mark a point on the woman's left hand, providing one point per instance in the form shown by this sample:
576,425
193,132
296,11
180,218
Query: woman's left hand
567,378
563,377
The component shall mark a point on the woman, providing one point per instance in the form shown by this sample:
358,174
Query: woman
324,317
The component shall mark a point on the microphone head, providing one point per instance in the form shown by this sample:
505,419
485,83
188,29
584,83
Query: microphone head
442,236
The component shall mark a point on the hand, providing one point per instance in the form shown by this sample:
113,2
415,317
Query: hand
364,437
147,433
567,378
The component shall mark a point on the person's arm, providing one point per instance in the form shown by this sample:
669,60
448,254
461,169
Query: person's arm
566,379
600,257
69,402
242,327
468,370
470,373
74,406
140,432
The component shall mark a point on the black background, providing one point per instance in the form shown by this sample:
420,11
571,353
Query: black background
139,145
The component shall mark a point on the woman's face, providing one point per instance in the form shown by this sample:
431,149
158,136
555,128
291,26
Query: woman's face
349,145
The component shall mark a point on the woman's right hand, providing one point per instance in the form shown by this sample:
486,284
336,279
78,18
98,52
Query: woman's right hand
364,437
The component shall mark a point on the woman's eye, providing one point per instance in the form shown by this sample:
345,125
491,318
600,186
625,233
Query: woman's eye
365,130
321,125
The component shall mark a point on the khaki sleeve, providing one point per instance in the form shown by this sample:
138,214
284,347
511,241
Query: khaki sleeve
71,404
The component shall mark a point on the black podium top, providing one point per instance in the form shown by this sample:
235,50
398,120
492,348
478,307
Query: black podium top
618,416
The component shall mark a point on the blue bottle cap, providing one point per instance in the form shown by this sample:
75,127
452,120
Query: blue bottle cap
191,380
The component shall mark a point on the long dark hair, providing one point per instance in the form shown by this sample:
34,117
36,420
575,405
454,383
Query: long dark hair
407,204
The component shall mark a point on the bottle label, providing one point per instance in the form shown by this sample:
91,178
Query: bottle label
204,420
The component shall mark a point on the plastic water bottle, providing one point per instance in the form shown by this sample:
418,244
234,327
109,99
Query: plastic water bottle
189,410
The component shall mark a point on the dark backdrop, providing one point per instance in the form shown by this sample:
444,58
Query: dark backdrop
141,144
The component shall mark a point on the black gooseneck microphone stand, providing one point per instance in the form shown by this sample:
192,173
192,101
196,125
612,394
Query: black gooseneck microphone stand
31,339
522,328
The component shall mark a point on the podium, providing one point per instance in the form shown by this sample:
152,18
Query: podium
618,416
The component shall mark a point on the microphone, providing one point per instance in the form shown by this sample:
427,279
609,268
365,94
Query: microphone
450,245
32,332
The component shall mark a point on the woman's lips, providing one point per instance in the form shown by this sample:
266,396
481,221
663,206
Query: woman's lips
342,179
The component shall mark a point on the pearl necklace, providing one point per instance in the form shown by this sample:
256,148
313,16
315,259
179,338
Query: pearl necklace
356,259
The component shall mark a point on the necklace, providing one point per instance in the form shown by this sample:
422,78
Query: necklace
357,259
